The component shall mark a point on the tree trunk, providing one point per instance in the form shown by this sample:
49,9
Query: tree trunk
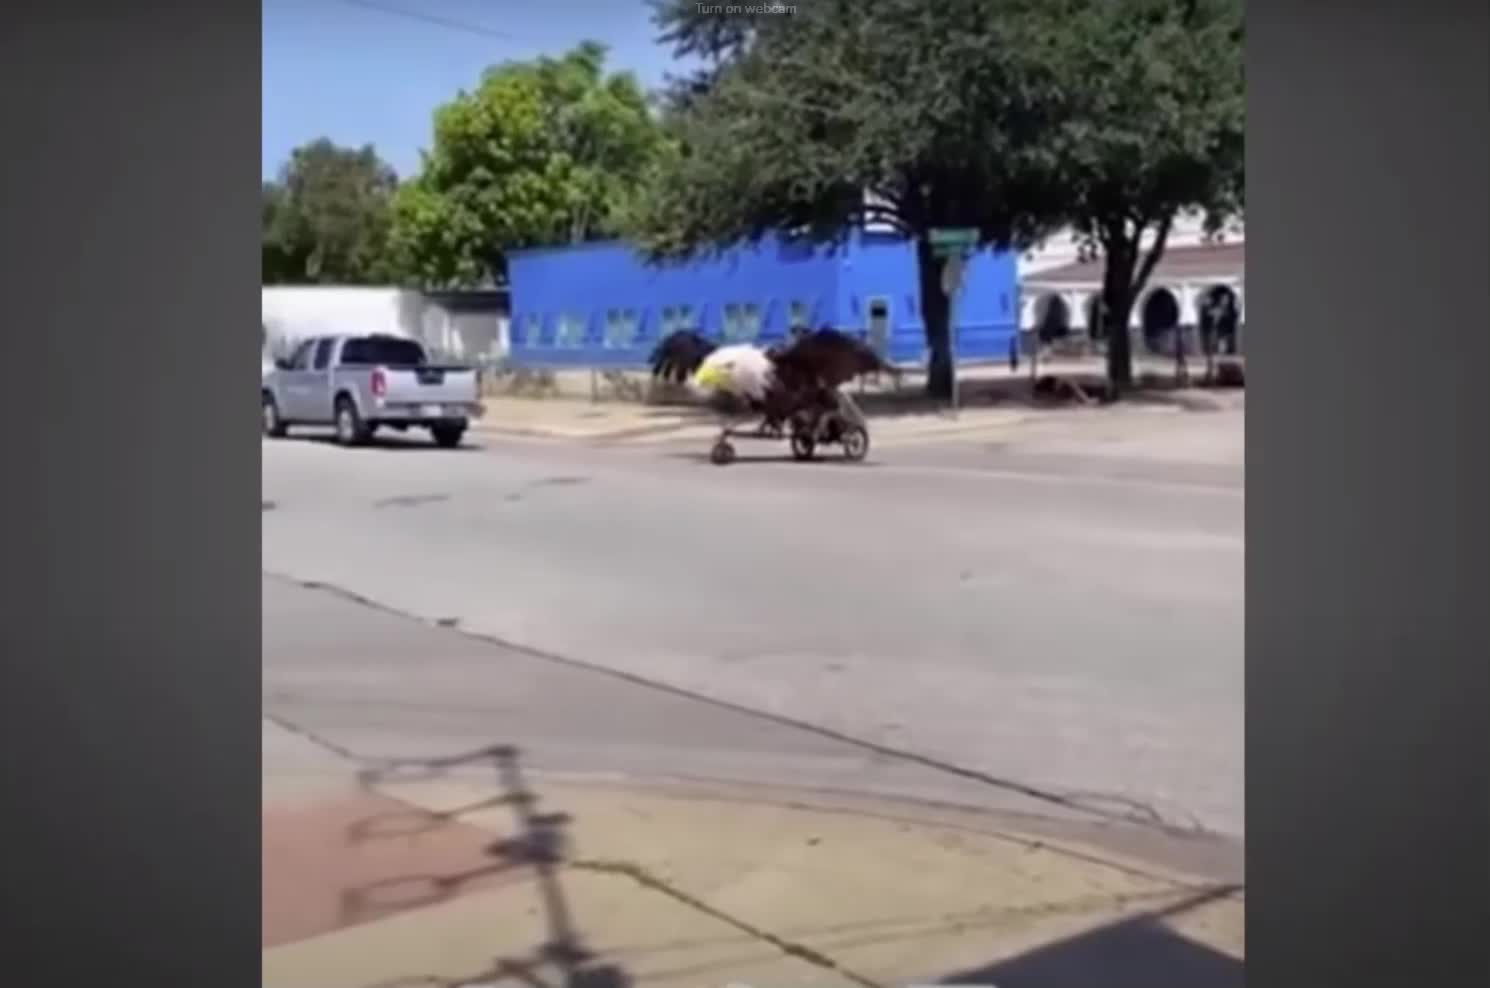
1123,278
1117,310
936,314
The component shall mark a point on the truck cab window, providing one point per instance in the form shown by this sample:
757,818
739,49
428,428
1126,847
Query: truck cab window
301,358
372,351
323,354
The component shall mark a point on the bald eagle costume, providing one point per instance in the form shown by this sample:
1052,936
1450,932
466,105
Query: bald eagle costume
799,379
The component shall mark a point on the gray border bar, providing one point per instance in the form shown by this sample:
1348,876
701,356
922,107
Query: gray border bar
1368,660
129,622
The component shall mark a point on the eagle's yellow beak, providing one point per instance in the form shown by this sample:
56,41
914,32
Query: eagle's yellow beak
711,377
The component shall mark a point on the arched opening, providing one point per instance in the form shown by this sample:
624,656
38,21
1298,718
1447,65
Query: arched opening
1052,318
1160,318
1096,326
1218,318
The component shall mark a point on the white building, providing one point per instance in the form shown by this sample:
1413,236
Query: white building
1059,289
460,325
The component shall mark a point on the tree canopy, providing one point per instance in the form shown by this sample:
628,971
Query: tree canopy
325,219
543,152
1150,124
1014,117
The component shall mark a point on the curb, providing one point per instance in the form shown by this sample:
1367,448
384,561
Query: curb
612,435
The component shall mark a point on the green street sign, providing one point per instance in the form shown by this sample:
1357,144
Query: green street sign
954,236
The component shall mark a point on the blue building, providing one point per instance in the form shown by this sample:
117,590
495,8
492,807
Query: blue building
600,305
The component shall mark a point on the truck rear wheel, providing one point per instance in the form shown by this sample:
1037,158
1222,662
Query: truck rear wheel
350,429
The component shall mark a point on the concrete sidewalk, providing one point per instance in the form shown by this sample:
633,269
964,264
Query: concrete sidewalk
579,419
472,872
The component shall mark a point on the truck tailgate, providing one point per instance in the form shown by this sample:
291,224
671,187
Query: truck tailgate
443,385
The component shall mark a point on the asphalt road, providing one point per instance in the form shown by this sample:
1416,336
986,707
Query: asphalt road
1052,623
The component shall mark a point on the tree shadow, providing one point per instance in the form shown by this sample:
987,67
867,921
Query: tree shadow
1140,952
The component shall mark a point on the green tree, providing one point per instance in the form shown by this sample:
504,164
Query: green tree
326,219
913,114
1010,116
1150,123
542,152
278,261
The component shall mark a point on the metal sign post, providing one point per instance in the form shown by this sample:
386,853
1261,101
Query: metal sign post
952,270
953,244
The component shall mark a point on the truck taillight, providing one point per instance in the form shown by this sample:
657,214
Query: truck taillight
379,383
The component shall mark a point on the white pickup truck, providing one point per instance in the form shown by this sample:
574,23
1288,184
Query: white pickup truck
358,384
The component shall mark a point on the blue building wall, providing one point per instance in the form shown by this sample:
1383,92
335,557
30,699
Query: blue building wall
601,305
985,313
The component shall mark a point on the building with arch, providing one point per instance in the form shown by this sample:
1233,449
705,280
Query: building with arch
1200,282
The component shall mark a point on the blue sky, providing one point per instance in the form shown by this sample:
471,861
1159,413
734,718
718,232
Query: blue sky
372,71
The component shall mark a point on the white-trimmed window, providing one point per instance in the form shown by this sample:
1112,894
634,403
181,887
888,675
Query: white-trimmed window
620,327
675,318
799,315
742,322
750,322
570,331
730,324
532,329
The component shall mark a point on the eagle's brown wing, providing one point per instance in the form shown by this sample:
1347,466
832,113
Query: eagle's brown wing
831,357
679,354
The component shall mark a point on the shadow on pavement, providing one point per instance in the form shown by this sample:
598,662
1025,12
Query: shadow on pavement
845,939
537,849
746,458
1140,952
1135,952
412,441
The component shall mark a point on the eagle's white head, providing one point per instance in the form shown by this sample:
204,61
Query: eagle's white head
739,369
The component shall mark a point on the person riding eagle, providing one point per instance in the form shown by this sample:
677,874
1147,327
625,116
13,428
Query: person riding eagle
797,379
